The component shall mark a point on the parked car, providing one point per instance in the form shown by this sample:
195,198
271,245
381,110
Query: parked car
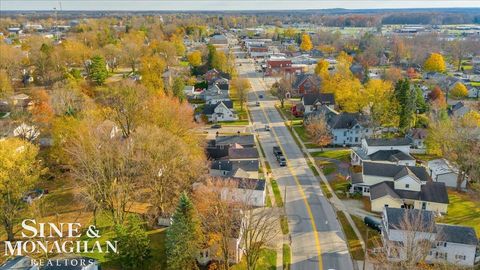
282,161
216,126
260,96
257,103
267,128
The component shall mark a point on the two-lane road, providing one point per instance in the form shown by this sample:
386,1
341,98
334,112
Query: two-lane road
317,239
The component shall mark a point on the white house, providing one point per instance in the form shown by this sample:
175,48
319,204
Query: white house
347,128
399,186
449,243
417,138
473,92
221,111
392,151
442,171
312,101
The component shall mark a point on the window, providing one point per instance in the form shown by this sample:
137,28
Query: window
460,257
356,139
344,133
407,185
386,205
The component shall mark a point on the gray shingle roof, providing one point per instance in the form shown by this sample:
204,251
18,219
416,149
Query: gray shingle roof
457,234
390,155
397,216
313,98
434,192
233,165
244,140
238,153
244,183
388,142
345,120
390,170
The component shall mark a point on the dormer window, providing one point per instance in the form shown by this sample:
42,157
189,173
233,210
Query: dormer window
407,185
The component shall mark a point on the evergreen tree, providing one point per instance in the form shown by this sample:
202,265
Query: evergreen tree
406,98
420,103
183,236
133,244
97,71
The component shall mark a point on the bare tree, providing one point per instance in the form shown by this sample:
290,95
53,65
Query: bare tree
241,86
281,89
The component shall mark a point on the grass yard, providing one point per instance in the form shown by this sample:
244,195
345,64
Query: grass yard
325,190
340,186
284,224
374,239
354,245
312,167
462,210
302,133
276,193
326,166
287,256
342,154
234,123
266,261
475,84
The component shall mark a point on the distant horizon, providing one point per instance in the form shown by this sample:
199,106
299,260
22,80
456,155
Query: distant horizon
225,5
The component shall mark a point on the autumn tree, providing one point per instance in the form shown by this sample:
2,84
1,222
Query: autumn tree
280,90
321,69
19,173
319,132
124,103
97,70
195,58
437,98
240,87
133,49
459,90
178,88
393,74
184,237
306,44
112,54
42,111
382,104
6,89
435,63
151,70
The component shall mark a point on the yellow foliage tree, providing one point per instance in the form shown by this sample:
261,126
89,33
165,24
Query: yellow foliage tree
322,68
471,119
459,90
348,91
152,68
195,58
381,104
435,63
306,44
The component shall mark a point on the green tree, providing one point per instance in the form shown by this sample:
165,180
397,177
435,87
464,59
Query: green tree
19,172
183,236
133,248
406,99
97,71
178,87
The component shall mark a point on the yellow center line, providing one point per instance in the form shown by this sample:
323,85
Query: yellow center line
307,205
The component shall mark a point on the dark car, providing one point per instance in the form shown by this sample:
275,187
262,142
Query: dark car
216,126
260,96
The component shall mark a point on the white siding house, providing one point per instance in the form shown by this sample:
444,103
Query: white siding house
392,151
442,171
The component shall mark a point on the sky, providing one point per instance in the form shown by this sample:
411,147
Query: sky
229,5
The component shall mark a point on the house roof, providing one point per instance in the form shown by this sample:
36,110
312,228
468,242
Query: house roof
228,140
434,192
357,178
345,120
233,165
210,108
388,142
215,152
441,166
313,98
245,183
397,216
418,133
404,172
242,153
302,77
457,234
390,155
390,170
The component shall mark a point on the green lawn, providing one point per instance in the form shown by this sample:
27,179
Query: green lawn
234,123
462,210
267,261
354,245
343,154
287,256
184,63
325,190
340,186
475,84
284,224
374,239
276,193
302,133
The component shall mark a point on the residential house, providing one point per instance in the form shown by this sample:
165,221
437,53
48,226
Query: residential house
476,65
225,141
218,39
454,244
442,171
399,186
235,168
305,84
417,138
21,101
391,151
473,92
313,101
220,111
458,110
